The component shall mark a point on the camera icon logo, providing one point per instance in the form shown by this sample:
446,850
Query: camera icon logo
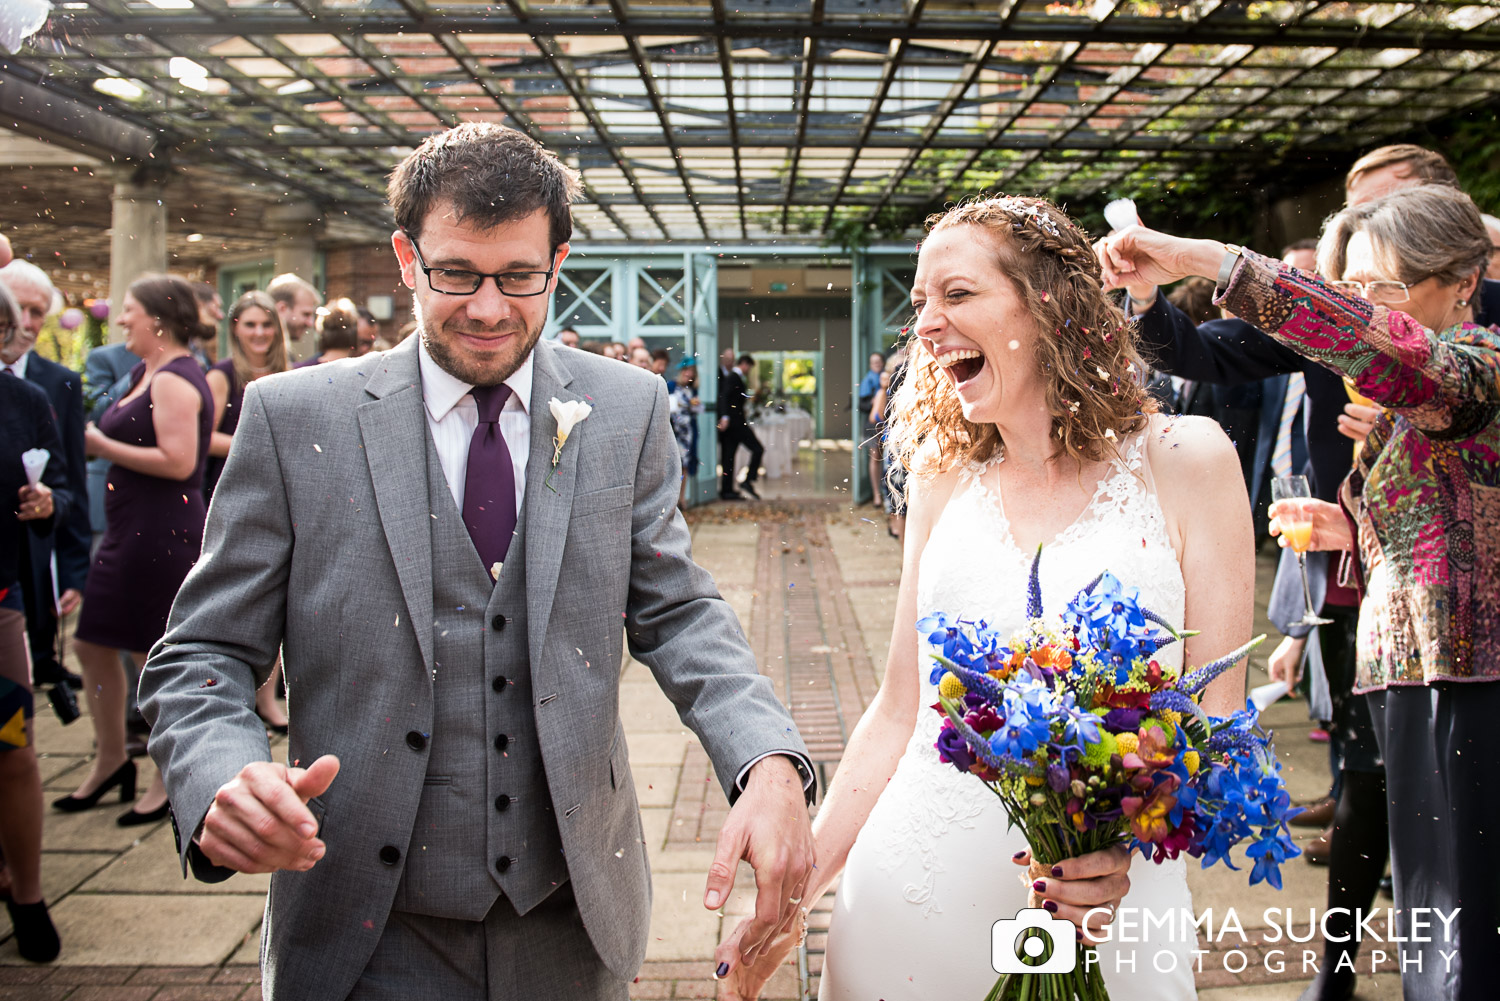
1033,941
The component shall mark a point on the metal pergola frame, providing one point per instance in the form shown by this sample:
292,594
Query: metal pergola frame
774,120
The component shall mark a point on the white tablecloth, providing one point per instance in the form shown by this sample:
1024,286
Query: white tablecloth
779,434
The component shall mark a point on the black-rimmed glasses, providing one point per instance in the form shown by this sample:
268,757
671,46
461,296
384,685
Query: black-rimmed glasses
451,281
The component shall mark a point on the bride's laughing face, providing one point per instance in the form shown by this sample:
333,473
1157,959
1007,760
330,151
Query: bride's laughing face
973,320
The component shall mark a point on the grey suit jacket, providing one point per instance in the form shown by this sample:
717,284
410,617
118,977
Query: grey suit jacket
318,544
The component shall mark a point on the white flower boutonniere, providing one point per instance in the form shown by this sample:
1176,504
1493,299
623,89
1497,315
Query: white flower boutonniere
568,416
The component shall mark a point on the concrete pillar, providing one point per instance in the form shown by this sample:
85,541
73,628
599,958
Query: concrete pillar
295,226
138,232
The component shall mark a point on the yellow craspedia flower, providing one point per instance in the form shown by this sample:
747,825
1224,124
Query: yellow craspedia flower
1171,717
1098,755
951,688
1033,780
1190,762
1128,743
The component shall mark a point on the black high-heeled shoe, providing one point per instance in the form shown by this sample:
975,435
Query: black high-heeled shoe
131,818
124,777
36,936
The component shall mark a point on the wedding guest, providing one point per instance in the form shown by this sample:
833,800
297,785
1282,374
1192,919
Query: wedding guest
1398,319
735,433
157,437
26,511
367,333
205,346
338,333
685,406
661,360
869,427
617,351
297,304
641,358
257,348
68,544
568,337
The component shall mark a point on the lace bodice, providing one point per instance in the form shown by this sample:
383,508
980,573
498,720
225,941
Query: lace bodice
973,567
933,861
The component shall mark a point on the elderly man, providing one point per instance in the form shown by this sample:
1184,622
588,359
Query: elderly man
459,819
50,596
567,337
297,305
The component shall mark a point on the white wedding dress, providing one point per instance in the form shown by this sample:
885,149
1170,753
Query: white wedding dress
931,870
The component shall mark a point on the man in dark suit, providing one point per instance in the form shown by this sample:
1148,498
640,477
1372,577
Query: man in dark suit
105,379
49,596
734,430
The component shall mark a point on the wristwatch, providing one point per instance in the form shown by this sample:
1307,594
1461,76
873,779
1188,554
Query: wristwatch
1232,254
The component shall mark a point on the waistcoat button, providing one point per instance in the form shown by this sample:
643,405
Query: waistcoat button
390,855
502,863
416,741
501,742
502,803
499,683
497,623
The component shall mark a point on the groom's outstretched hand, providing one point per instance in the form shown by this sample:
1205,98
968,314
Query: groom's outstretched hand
259,820
767,827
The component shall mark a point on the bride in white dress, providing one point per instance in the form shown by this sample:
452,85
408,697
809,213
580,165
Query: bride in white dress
1023,423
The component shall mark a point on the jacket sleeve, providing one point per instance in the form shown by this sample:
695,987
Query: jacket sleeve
677,624
55,475
1223,352
198,686
1447,387
74,535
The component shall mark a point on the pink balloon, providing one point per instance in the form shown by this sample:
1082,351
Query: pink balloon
100,309
70,319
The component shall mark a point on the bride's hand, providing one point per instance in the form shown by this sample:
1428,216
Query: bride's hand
745,981
1082,889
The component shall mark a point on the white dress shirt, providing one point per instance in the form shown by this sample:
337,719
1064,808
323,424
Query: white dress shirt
19,366
452,416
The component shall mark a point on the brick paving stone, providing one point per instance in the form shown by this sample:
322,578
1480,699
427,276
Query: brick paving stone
252,993
238,974
173,975
32,992
10,975
695,989
651,990
113,992
199,992
84,975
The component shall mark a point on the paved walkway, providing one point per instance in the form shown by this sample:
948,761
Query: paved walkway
815,585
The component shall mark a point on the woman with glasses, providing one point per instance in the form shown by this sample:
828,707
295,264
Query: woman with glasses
1423,504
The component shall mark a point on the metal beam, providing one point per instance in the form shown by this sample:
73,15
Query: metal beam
1023,27
43,112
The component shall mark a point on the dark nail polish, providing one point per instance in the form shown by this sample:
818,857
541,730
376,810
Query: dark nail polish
1050,905
1020,854
1078,933
1040,886
722,971
1057,871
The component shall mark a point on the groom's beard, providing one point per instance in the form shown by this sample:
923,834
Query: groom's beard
477,368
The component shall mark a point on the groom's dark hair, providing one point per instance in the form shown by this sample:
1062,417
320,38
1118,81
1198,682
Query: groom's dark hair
491,174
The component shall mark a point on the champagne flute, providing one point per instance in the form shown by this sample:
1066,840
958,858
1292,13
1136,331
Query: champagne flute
1296,525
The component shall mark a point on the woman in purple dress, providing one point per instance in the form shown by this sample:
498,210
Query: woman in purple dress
156,436
257,347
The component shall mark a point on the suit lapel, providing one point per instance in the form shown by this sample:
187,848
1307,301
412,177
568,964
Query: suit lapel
393,427
548,507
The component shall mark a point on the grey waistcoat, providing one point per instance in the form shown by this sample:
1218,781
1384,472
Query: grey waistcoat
485,824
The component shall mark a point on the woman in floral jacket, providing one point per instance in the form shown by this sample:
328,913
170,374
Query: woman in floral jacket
1423,505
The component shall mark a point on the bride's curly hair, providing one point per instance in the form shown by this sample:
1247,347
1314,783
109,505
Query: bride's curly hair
1095,391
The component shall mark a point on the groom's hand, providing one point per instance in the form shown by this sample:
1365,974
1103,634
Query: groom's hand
767,827
259,820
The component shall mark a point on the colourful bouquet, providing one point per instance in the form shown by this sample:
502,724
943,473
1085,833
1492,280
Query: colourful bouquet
1090,742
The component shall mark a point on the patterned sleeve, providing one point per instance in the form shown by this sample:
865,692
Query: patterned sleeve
1449,387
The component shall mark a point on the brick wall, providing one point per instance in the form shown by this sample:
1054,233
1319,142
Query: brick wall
362,270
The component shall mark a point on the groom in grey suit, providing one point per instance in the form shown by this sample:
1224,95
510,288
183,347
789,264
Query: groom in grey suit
449,577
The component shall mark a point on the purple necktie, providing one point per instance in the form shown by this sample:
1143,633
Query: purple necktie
490,483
